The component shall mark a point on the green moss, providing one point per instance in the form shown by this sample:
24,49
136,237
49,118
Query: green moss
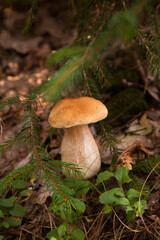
125,105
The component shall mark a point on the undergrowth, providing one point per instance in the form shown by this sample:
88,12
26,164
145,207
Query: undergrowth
83,66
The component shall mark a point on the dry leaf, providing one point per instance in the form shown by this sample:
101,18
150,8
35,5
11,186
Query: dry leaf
133,153
131,139
145,124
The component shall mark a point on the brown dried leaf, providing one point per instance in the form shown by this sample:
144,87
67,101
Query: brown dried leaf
135,152
131,139
40,195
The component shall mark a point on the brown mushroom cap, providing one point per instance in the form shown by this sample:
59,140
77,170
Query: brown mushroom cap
71,112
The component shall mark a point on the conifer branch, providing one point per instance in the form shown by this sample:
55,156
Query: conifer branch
21,173
31,16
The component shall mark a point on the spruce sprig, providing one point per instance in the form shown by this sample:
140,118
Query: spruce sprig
40,161
147,165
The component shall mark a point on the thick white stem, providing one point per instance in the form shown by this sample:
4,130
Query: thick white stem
79,147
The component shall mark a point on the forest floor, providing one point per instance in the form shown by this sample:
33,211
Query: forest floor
23,67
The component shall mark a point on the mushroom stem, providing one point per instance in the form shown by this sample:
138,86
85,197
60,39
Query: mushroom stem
79,147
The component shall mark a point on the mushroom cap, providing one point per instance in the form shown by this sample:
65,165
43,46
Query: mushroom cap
71,112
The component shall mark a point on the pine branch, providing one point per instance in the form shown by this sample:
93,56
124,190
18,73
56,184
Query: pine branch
13,143
21,173
66,168
147,165
25,133
54,183
40,160
71,72
65,54
67,77
108,140
17,103
92,87
152,52
31,16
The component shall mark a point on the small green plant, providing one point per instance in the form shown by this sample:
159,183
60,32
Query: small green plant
61,233
69,212
11,212
118,197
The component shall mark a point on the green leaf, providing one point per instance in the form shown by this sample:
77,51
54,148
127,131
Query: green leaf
17,211
5,224
1,214
67,214
7,202
26,193
139,206
107,209
111,196
129,208
82,187
130,215
69,182
79,206
1,237
104,176
62,230
123,201
67,238
121,175
13,222
132,194
77,234
19,184
53,234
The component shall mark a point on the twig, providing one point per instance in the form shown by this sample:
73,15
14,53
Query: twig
132,230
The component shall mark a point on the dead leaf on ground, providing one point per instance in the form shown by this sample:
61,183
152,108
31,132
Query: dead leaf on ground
126,141
135,152
40,195
141,127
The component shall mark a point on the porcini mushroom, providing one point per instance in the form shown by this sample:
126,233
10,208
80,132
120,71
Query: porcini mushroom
78,145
